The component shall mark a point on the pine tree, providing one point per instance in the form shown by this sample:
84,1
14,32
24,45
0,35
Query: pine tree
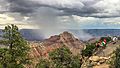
15,55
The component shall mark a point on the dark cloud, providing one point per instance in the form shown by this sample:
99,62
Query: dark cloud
85,11
85,8
22,6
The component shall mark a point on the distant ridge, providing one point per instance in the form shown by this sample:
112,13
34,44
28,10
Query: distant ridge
29,34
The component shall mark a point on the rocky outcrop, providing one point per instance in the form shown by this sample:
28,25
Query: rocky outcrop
66,39
102,57
42,49
97,62
94,58
108,50
102,66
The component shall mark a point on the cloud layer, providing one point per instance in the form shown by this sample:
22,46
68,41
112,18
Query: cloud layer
92,8
65,14
5,19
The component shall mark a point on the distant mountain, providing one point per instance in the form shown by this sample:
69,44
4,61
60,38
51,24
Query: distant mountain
82,34
29,34
56,41
103,32
66,39
39,49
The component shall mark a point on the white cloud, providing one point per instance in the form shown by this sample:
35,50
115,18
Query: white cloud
86,20
82,22
7,20
108,7
112,20
78,20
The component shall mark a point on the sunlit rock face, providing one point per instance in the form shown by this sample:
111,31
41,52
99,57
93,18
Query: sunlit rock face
42,49
66,39
54,42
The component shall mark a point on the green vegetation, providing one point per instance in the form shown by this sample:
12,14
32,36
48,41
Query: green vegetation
43,63
117,58
111,60
14,55
61,58
89,50
90,47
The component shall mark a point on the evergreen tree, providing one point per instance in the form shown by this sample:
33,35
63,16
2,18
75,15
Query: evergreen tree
15,55
89,50
60,58
63,58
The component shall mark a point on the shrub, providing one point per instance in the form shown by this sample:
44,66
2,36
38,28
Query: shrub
43,63
89,50
61,58
117,58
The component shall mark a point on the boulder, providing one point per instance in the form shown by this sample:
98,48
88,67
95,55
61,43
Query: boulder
93,63
102,66
106,58
94,58
102,61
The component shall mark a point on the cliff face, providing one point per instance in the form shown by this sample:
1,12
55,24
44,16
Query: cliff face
65,38
41,49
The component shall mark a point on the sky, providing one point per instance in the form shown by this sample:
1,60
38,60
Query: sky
60,14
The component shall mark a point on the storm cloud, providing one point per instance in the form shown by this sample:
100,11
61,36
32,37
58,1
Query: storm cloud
62,13
85,8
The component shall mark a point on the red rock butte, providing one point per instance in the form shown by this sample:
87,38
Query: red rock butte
42,49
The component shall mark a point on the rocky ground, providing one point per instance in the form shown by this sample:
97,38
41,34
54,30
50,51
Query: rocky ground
109,49
102,57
